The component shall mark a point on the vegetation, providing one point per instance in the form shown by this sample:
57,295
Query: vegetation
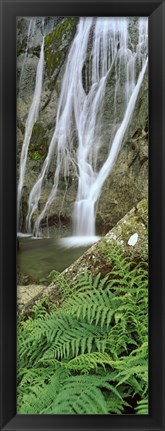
63,26
38,143
54,54
90,355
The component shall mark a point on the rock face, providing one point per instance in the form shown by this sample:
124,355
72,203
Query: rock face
59,34
127,183
130,235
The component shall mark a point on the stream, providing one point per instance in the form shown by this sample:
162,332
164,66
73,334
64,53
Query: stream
36,258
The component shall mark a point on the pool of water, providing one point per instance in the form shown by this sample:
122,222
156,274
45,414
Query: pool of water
36,258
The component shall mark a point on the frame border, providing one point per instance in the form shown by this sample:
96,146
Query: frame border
155,10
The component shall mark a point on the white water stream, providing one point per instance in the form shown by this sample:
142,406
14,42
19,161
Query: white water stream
80,109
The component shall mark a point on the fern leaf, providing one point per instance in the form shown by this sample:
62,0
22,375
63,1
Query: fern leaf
142,407
89,361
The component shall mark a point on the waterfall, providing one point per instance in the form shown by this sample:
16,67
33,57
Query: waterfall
61,142
100,46
106,169
90,181
31,120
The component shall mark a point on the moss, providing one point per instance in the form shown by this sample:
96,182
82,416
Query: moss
65,26
38,143
34,155
53,60
54,51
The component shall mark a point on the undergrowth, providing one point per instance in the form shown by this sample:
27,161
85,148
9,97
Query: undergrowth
90,356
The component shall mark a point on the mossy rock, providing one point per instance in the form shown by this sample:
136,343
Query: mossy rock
57,44
66,25
38,143
134,223
53,60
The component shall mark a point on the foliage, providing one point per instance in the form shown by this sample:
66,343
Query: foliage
64,26
35,155
38,142
90,355
142,407
55,48
41,309
65,288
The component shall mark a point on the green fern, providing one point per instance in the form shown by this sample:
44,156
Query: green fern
39,396
88,361
81,395
116,406
89,355
142,407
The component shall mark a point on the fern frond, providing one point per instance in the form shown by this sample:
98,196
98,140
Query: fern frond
90,354
38,398
116,406
142,407
79,399
81,395
89,361
75,338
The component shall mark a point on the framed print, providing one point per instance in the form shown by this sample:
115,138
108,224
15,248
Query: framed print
82,300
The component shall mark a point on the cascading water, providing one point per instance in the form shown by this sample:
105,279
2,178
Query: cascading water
91,181
31,120
98,46
61,142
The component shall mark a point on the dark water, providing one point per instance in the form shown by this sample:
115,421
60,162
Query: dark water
36,258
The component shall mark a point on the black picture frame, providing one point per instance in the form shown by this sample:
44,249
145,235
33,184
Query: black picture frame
155,10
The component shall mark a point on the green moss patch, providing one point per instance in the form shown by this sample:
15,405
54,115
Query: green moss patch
65,26
39,143
54,52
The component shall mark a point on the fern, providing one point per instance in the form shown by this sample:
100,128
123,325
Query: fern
39,396
86,362
89,355
116,406
92,305
142,407
69,395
